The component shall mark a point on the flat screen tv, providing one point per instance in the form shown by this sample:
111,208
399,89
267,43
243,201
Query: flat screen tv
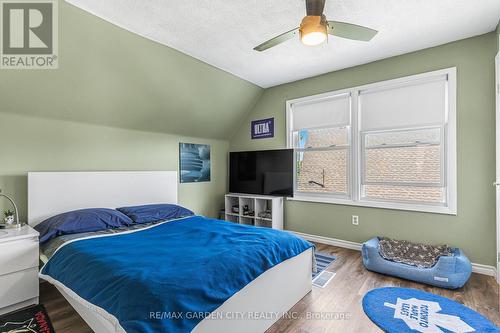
264,172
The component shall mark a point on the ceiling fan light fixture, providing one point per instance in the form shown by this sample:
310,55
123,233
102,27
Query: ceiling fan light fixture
313,30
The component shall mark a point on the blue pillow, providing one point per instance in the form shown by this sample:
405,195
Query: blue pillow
154,213
78,221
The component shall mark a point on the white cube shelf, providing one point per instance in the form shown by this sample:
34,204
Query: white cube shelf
257,205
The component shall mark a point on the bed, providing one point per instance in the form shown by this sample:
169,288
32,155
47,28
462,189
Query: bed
267,296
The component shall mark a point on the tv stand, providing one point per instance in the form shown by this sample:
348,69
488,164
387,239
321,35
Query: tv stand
263,211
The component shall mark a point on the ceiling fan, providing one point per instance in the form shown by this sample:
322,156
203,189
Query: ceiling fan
315,28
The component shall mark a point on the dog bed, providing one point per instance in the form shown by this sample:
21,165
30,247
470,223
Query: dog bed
449,272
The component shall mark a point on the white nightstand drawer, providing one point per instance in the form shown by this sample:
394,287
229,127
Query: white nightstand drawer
18,255
18,287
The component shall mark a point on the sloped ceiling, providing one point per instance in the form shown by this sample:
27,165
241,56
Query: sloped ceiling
224,32
112,77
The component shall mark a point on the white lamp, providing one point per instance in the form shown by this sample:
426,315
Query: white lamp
17,225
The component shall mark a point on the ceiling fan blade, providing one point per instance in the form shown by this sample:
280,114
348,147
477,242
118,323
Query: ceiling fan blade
350,31
315,7
277,40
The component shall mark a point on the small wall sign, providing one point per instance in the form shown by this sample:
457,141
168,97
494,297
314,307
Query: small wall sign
263,128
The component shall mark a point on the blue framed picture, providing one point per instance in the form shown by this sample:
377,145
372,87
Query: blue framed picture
194,163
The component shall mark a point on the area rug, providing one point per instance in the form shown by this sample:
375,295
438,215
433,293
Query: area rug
322,278
323,260
401,310
30,320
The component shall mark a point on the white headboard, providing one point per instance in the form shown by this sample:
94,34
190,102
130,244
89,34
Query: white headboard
52,193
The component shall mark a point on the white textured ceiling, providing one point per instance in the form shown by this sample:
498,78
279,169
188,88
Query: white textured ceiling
223,32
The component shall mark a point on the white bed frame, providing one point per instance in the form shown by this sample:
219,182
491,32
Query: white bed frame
271,294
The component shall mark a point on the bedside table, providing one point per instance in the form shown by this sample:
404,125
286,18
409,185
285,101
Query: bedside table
18,268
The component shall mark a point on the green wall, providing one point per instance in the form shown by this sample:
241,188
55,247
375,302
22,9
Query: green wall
109,76
148,95
37,144
473,229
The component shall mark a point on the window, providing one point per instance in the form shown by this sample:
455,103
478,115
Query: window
403,166
390,144
322,141
322,157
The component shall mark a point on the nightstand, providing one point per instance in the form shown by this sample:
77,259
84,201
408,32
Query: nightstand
18,268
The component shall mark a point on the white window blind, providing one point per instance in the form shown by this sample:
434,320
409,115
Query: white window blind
420,103
326,112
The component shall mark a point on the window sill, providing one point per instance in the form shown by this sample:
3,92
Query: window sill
370,204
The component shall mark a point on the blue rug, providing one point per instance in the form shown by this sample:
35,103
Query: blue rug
401,310
323,260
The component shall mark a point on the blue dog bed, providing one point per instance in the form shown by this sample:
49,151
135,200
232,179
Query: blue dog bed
449,272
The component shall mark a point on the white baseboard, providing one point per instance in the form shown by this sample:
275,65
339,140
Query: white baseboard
330,241
476,268
484,269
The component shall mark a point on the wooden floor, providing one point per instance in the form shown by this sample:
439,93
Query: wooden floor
340,300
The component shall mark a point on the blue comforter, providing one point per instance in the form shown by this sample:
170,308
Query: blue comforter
158,279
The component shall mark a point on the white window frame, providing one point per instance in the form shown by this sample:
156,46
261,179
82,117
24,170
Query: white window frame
449,146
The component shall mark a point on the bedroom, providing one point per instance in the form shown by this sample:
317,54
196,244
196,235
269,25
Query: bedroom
129,84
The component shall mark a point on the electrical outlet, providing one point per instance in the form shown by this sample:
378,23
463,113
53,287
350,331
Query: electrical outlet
355,220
